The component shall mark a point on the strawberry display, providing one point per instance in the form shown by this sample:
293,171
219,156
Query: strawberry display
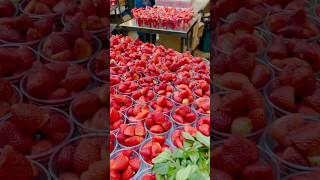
143,95
9,95
183,95
238,158
7,8
202,106
82,158
203,126
162,104
131,134
240,112
152,148
124,165
54,81
292,25
127,87
33,130
239,68
296,140
177,137
45,7
163,89
158,123
183,114
98,67
13,161
251,15
24,29
138,112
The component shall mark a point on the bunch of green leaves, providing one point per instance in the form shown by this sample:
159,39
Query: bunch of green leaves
192,162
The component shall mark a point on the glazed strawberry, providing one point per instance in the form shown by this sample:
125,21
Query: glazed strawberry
163,89
152,148
138,112
203,126
202,105
143,95
131,134
184,115
120,102
157,123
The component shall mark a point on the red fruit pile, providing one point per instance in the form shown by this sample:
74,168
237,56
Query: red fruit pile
120,102
138,112
117,70
125,165
23,28
239,34
238,158
282,52
12,162
203,126
89,108
293,25
54,81
295,89
202,89
164,89
84,159
183,95
92,14
157,123
116,119
183,114
251,15
7,8
8,97
130,76
148,176
15,61
147,81
292,5
127,87
167,77
177,138
153,148
297,140
239,68
131,134
162,104
99,67
114,80
202,105
239,112
42,7
167,17
34,130
143,95
62,46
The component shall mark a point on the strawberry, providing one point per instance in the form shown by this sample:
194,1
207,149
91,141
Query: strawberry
166,125
33,34
133,140
85,154
23,22
58,137
222,122
127,152
192,131
159,139
159,117
98,121
96,170
146,152
68,176
232,104
127,173
12,162
76,79
232,80
29,117
54,43
6,90
63,56
235,157
41,146
56,123
10,35
41,9
7,8
114,175
129,131
135,164
314,100
157,129
258,170
59,69
82,49
241,62
59,93
292,155
85,105
219,175
284,97
139,129
260,75
148,177
258,118
253,98
204,129
216,158
65,157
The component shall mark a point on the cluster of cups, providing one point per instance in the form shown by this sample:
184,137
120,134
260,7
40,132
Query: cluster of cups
45,162
284,170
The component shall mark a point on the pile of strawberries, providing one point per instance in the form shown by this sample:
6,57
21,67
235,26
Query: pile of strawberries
266,66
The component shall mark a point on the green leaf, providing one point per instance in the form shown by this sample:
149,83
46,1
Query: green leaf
184,173
159,177
203,139
187,144
178,153
161,168
162,157
194,156
197,145
187,136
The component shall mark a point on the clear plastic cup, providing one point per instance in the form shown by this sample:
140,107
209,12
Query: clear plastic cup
42,172
16,78
136,147
167,95
164,134
123,110
165,112
91,66
143,172
96,44
195,107
298,175
167,142
19,99
138,120
265,157
115,142
177,124
53,169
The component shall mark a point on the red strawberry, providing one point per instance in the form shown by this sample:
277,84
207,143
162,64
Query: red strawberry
166,125
292,155
12,162
139,129
314,100
129,131
232,80
6,90
135,164
65,157
132,141
127,152
76,78
86,105
29,117
204,129
121,162
258,118
10,35
284,97
26,56
159,139
56,123
54,43
258,170
192,131
216,159
278,49
7,8
59,93
63,56
146,152
127,173
97,170
252,97
41,8
33,34
82,49
58,137
60,69
157,129
44,26
41,146
240,61
114,175
222,122
23,22
148,177
159,117
232,104
221,175
260,75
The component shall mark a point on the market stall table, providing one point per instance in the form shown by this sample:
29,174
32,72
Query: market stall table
185,34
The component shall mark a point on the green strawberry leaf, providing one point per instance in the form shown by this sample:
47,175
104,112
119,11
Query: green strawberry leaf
160,168
187,136
194,156
184,173
162,157
203,139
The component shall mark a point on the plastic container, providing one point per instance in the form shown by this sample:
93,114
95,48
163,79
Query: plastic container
164,134
91,66
16,78
19,98
42,172
96,46
123,110
165,112
177,124
194,107
136,147
53,169
143,172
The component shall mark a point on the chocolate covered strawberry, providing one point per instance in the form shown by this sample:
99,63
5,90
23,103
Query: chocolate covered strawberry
158,123
125,164
177,137
162,104
131,134
143,95
183,114
183,95
202,105
9,95
138,112
152,148
164,89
